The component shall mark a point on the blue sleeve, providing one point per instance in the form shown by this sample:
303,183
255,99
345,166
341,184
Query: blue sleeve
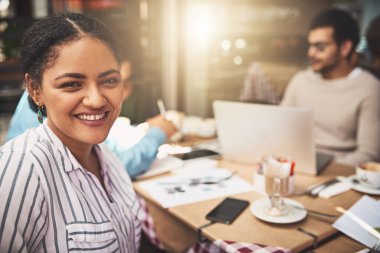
23,118
139,157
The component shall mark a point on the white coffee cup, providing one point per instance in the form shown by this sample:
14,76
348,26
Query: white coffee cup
368,174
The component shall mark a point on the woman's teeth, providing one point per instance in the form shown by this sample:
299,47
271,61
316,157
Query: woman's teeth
91,116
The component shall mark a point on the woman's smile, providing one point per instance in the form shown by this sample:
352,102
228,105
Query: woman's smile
91,117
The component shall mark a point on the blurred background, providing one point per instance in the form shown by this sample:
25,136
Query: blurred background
187,52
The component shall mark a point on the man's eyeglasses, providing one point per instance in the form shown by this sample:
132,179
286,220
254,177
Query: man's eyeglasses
320,46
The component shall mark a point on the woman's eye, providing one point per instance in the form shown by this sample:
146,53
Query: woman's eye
111,81
70,85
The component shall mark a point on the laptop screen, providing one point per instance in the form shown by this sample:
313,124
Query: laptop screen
247,132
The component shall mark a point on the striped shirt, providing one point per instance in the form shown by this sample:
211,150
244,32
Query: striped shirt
50,203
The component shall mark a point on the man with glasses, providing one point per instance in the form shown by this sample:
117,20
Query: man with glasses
345,99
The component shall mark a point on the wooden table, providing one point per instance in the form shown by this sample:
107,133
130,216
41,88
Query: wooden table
176,226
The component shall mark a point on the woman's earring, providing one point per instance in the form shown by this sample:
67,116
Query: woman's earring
39,113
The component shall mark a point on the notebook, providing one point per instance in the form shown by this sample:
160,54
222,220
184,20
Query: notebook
247,132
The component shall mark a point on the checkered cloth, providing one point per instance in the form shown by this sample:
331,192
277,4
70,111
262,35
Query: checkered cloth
220,246
148,224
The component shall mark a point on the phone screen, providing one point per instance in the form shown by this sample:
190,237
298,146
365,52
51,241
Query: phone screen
196,154
227,211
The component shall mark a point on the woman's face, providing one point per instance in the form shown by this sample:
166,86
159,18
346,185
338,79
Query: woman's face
82,92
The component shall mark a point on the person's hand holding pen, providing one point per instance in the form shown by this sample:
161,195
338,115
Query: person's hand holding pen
167,126
174,117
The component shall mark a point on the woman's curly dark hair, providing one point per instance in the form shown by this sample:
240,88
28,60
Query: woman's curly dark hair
40,45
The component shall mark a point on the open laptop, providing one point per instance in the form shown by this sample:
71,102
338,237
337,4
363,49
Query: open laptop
247,131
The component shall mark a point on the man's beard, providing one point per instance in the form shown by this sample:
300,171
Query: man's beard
329,68
325,70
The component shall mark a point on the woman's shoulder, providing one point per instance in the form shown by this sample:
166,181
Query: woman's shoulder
25,145
22,143
17,160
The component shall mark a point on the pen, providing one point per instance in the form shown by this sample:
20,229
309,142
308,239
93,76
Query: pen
161,107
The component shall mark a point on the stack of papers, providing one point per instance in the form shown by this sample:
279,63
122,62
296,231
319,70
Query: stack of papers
366,209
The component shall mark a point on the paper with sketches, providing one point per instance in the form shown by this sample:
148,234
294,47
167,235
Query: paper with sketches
184,188
368,209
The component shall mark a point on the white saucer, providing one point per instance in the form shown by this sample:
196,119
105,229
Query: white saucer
359,187
294,214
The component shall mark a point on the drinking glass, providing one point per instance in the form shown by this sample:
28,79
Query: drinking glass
277,170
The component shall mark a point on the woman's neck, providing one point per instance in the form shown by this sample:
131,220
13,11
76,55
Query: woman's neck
84,153
90,162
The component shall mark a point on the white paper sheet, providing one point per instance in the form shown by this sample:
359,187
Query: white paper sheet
176,190
191,166
368,209
161,166
177,166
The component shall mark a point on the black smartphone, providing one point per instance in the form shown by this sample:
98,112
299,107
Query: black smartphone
227,211
197,153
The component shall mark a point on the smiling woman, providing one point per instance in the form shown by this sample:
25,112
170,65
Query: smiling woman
82,95
58,176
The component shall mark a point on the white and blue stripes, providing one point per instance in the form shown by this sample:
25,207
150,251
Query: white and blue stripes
50,203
